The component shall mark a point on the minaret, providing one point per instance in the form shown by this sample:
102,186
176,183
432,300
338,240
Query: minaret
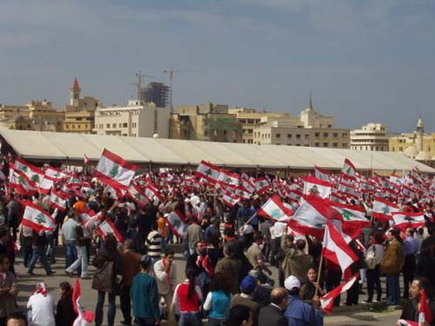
75,93
419,133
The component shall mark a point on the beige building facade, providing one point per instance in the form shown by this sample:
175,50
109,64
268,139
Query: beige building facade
137,119
80,113
416,145
371,137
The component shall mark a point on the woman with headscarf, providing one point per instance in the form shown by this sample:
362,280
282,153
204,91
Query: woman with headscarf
41,307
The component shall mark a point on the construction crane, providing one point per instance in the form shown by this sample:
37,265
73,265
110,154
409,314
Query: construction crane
140,77
171,73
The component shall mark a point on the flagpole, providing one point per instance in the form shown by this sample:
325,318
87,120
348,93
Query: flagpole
319,273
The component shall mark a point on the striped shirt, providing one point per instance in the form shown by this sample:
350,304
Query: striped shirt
154,244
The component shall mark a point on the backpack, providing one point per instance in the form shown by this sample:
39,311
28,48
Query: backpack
370,258
103,277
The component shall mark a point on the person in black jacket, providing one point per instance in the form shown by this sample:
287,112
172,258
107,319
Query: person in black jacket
273,314
411,306
65,313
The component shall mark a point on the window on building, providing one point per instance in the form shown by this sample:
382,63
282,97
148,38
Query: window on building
401,149
278,135
289,135
335,145
298,144
325,144
307,136
344,135
329,126
335,134
325,134
298,136
344,145
119,125
316,144
113,125
124,125
108,125
317,134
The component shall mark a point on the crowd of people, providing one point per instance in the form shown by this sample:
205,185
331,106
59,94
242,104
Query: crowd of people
229,250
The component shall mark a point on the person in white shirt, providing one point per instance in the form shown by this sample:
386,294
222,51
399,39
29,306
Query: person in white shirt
373,258
41,307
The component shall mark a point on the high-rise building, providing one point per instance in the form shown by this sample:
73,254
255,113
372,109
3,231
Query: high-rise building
157,93
371,137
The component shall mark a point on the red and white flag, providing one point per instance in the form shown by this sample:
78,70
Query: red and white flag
327,301
33,174
322,174
84,317
230,199
348,169
424,311
21,185
86,160
208,171
55,174
275,210
336,249
383,209
311,217
317,186
107,227
354,218
114,171
38,219
404,220
46,184
138,196
229,179
176,224
58,200
261,185
152,194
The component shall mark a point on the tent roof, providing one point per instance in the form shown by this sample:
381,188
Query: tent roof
39,145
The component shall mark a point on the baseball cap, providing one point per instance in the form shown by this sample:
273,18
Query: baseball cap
292,282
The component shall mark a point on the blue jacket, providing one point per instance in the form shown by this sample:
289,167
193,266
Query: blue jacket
145,297
299,313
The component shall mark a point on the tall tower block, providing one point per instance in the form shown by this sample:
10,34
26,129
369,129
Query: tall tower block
419,135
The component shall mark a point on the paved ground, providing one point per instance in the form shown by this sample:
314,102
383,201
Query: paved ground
341,316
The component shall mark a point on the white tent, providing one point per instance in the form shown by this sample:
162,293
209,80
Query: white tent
66,147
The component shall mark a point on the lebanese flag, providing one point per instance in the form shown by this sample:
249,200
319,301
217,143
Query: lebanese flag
21,185
208,171
58,200
248,185
152,193
336,249
230,199
86,160
327,301
243,193
322,174
37,219
33,174
275,210
138,196
176,224
320,187
114,171
295,195
84,317
383,209
311,217
229,179
348,169
261,185
353,217
404,220
348,190
424,312
90,220
55,174
107,227
46,185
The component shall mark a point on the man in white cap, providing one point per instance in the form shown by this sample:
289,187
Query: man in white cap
299,313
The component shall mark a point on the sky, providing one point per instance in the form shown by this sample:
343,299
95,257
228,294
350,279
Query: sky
362,61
